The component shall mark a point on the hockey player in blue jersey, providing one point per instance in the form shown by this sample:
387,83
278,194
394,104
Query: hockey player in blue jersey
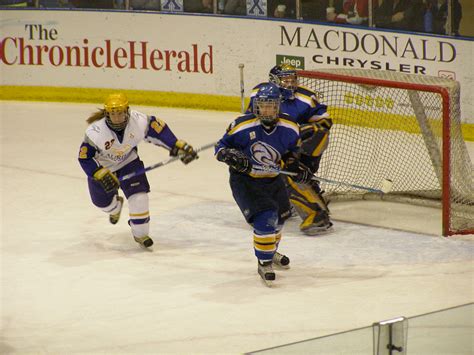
264,138
301,104
109,151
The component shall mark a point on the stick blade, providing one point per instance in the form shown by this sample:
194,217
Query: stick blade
387,185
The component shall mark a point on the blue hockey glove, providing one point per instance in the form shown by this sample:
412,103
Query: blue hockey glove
236,159
303,173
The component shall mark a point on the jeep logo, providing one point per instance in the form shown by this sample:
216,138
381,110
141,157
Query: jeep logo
297,62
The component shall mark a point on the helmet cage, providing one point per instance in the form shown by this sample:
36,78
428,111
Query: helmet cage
267,109
284,76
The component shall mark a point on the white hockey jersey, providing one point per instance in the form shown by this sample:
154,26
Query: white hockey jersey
104,147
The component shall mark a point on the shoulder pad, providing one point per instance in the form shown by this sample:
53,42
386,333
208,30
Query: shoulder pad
249,117
259,85
255,88
289,123
286,116
245,117
137,115
96,127
305,91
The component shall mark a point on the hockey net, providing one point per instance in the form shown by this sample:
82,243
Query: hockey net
401,127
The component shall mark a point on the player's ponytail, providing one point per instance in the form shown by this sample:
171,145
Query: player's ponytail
96,116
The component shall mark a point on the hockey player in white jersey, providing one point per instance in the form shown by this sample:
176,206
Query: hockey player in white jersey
109,151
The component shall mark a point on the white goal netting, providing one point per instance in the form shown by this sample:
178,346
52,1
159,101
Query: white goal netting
406,128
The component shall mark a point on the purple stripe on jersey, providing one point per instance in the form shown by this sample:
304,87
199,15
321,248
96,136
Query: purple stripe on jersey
139,220
86,159
163,133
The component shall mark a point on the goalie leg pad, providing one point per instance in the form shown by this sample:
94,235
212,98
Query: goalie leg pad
316,223
305,199
311,207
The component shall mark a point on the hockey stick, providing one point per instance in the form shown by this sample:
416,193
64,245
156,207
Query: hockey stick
242,91
163,163
386,183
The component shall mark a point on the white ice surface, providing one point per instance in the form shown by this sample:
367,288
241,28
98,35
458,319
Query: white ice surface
72,283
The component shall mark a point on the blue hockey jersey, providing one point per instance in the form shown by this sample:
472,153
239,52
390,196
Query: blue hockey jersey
264,148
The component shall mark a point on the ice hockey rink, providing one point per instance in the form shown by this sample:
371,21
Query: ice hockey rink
73,283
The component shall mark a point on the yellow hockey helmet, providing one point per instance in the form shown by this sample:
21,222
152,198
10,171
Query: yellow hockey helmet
117,102
116,105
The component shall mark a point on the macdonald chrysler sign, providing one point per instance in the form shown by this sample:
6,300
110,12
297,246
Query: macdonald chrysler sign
367,50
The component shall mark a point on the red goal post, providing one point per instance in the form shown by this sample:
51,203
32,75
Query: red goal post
401,127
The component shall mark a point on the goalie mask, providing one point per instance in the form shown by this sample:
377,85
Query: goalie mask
116,111
284,76
266,105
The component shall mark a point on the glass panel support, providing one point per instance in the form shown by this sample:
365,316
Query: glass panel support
390,336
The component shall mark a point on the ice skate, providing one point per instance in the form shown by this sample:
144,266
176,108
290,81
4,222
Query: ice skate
281,260
316,224
293,212
265,270
114,218
144,241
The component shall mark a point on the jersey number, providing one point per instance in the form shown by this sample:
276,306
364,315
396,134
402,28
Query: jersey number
83,153
158,125
109,144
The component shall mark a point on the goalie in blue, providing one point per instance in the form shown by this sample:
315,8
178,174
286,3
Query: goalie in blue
301,104
264,138
109,151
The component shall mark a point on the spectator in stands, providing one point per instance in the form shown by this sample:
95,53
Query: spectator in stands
399,14
314,10
281,8
439,16
64,3
356,12
98,4
119,4
144,4
321,10
200,6
235,7
16,3
54,3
